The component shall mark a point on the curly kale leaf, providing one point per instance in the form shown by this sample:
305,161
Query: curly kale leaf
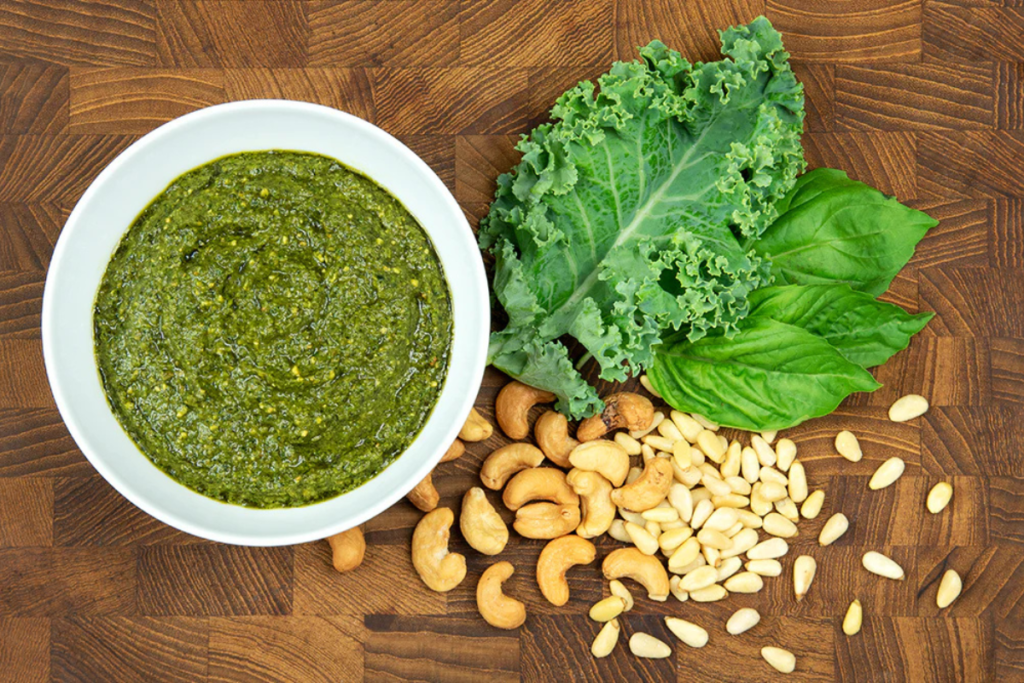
626,217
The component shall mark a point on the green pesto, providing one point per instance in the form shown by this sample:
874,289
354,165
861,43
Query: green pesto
274,329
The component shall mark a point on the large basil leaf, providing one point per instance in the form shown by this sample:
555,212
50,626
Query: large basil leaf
769,376
839,231
866,331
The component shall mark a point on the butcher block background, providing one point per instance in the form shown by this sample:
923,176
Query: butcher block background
924,100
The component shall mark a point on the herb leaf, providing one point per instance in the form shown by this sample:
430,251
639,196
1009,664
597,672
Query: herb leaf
769,376
866,331
833,230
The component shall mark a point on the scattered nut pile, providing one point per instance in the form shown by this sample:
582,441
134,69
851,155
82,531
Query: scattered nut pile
702,517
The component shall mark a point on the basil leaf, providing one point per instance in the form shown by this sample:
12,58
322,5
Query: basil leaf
866,331
839,231
768,376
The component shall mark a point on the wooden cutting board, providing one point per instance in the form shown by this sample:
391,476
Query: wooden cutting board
923,100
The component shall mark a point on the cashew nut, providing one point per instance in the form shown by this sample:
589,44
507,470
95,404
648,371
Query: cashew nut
646,570
424,496
454,451
555,560
481,525
439,569
649,489
552,434
348,549
477,428
506,461
595,502
513,406
498,609
539,483
546,520
607,458
623,410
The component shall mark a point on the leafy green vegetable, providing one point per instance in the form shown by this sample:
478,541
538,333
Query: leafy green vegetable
866,331
833,230
627,217
769,376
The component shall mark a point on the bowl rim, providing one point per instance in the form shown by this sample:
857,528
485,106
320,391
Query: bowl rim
67,409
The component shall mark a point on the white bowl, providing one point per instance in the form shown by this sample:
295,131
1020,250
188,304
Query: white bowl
126,187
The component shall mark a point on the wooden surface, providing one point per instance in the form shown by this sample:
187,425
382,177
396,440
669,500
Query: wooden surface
921,99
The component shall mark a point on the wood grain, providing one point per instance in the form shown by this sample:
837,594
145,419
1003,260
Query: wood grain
924,100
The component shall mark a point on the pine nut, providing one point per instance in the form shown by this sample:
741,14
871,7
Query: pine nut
630,516
758,505
607,609
645,382
658,442
772,492
641,433
765,454
701,512
702,577
731,466
749,519
606,639
741,543
877,563
777,525
769,436
728,567
642,539
785,450
712,556
688,552
682,454
744,582
699,561
742,620
797,482
708,442
676,591
764,567
618,531
714,539
724,441
680,498
887,473
676,524
739,485
771,549
749,465
697,456
705,423
687,631
649,647
668,429
688,427
803,574
787,508
770,474
653,528
734,529
853,619
834,528
716,486
671,540
939,497
618,589
635,472
668,514
628,443
647,453
690,477
848,446
733,500
812,506
709,594
908,407
721,519
781,660
709,470
949,589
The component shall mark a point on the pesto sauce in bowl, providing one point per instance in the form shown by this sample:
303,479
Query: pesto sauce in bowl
273,329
